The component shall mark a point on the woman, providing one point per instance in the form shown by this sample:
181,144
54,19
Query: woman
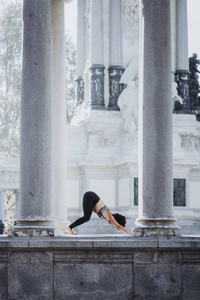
92,202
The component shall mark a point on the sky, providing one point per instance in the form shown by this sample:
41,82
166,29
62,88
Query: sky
70,19
193,27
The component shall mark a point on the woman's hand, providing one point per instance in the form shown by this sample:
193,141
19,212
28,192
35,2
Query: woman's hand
113,222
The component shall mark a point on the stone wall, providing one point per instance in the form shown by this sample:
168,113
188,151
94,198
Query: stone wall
99,267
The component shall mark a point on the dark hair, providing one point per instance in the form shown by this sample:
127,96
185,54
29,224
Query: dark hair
120,219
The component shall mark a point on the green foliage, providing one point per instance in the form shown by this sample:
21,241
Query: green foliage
9,123
10,76
70,63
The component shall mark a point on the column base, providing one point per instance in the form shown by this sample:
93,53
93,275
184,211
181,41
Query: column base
156,227
35,228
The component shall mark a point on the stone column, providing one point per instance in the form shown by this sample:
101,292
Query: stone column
182,74
115,56
36,122
2,206
96,56
59,126
17,204
80,50
155,123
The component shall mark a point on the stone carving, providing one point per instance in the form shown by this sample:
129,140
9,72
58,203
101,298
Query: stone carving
131,19
97,86
115,87
177,100
182,77
128,100
190,142
194,82
104,139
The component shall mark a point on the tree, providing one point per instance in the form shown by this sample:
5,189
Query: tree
70,63
10,76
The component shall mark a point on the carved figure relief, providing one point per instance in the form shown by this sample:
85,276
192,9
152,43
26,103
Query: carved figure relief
190,142
104,139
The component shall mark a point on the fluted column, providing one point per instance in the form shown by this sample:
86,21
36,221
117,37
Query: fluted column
59,127
36,122
115,55
182,74
96,56
80,50
155,123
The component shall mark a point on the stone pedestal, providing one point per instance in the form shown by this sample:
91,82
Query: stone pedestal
155,124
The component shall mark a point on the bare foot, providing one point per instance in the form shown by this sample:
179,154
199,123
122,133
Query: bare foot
68,230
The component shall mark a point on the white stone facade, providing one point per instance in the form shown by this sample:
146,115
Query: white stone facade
103,145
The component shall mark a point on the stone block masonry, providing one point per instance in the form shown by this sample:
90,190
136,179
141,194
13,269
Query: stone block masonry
99,267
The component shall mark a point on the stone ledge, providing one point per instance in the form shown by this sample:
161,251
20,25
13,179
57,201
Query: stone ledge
99,267
101,241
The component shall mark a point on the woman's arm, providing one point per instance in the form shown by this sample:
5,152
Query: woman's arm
112,220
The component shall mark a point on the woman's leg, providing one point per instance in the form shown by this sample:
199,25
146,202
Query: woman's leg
89,200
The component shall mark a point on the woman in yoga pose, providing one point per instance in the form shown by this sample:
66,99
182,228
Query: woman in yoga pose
92,202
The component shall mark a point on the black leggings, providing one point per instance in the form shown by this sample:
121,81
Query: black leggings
90,199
